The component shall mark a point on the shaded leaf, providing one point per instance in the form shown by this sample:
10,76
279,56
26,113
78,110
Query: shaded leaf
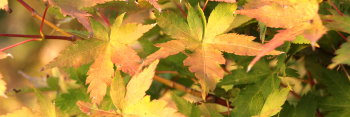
251,100
306,107
337,84
186,107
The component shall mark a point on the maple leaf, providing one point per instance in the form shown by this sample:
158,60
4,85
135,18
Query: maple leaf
206,41
298,17
74,8
104,51
2,86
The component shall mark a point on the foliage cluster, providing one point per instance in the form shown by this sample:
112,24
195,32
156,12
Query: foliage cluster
210,58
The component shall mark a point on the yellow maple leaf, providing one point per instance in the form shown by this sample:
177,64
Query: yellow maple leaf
130,100
206,41
105,51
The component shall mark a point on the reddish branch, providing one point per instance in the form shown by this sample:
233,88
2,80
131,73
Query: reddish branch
17,44
71,38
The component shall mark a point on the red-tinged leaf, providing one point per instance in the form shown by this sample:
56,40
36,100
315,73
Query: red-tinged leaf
228,1
100,74
281,14
126,59
205,63
155,4
239,44
166,49
74,8
94,112
315,31
278,40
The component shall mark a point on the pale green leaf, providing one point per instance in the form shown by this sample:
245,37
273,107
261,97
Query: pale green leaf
219,20
274,102
196,21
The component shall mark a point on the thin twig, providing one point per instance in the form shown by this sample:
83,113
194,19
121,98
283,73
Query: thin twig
205,5
37,16
19,43
196,93
184,14
335,7
70,38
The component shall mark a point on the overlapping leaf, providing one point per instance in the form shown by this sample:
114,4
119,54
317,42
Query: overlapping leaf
131,100
105,51
206,41
297,17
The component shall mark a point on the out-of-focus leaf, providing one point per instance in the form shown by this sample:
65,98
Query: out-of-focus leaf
23,112
306,107
337,22
337,85
66,102
2,86
47,108
343,55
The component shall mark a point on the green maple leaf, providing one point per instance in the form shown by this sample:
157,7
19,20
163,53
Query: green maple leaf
108,49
